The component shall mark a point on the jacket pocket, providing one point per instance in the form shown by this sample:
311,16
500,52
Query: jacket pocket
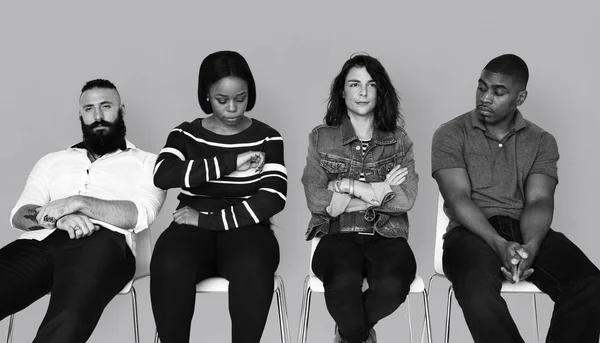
384,166
334,164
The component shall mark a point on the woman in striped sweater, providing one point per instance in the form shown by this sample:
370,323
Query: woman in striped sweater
233,179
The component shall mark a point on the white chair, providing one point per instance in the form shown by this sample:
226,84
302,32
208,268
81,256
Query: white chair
507,287
142,269
313,284
221,285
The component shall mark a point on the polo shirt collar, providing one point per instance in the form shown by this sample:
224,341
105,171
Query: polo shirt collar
379,137
518,125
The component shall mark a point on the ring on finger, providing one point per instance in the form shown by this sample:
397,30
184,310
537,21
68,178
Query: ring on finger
76,228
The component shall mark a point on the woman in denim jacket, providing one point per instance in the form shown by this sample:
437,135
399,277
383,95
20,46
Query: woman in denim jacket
360,182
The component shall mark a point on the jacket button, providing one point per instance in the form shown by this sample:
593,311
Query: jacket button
358,147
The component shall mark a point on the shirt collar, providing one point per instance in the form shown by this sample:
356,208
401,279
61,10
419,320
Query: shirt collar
126,146
379,137
518,125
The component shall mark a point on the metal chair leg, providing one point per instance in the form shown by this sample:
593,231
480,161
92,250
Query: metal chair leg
410,330
448,311
284,325
136,328
11,323
535,319
428,292
427,315
305,311
156,339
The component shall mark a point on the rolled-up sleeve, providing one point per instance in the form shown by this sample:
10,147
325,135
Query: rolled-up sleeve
148,199
37,187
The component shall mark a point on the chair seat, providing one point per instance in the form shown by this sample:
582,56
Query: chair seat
127,288
417,286
219,284
520,287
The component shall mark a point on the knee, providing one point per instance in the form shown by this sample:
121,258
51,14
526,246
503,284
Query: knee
474,290
590,288
343,280
395,289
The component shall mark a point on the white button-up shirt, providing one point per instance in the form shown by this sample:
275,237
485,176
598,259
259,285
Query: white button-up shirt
120,175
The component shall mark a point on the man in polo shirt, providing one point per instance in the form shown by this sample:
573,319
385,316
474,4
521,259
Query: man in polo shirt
80,210
497,173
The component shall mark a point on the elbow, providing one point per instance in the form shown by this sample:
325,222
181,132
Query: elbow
161,182
399,205
318,209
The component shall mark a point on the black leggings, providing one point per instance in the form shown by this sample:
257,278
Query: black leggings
342,261
185,255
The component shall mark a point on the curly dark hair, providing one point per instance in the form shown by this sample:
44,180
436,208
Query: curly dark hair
387,114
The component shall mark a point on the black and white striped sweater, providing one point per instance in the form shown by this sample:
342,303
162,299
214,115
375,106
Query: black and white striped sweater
203,163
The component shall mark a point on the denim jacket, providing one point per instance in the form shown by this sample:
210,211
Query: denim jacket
335,152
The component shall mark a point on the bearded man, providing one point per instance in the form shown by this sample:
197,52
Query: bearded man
80,211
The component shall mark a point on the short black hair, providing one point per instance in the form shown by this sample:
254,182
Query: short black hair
98,83
511,65
387,114
222,64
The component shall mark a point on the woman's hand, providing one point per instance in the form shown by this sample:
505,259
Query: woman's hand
250,159
186,216
396,176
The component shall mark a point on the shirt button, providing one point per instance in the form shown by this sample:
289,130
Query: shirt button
500,145
357,147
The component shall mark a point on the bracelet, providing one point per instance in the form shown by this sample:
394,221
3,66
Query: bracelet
351,191
337,186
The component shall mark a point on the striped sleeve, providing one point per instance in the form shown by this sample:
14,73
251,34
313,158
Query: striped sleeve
174,170
264,204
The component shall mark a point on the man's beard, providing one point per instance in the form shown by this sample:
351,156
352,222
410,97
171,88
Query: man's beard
104,141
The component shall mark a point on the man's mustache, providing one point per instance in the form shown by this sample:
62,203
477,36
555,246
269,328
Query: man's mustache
100,123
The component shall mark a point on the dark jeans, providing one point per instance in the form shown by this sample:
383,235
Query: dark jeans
82,276
341,261
561,270
185,255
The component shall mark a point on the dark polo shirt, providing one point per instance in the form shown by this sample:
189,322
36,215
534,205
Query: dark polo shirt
498,169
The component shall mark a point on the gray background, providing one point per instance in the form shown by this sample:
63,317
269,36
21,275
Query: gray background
434,52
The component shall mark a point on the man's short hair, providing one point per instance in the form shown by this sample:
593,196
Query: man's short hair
511,65
98,83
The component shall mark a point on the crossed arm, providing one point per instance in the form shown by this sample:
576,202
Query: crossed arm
396,194
76,211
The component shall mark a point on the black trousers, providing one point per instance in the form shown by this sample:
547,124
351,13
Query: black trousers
341,261
561,270
82,276
185,255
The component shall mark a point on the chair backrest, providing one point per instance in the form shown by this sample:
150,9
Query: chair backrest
143,252
440,230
